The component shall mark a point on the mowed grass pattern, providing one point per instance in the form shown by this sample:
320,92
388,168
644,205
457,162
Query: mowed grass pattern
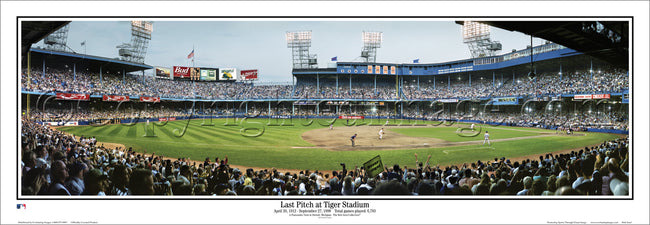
274,147
449,133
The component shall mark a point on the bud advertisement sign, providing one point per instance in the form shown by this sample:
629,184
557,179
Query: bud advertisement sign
249,75
228,74
208,74
163,73
181,72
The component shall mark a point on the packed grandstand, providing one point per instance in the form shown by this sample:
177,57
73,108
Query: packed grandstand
57,163
52,159
610,81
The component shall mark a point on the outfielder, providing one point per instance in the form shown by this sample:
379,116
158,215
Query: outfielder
472,127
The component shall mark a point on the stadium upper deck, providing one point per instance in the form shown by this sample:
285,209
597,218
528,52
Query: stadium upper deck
562,72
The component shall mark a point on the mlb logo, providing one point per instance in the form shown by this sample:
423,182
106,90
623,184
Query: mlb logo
19,206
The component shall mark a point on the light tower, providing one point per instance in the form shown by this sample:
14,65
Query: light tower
299,42
477,36
371,42
140,36
58,40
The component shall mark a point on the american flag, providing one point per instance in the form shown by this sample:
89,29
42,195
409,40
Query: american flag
191,55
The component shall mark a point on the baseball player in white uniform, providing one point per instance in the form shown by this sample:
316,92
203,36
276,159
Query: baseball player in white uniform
487,138
381,133
472,127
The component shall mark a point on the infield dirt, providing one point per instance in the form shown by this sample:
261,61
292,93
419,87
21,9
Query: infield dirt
338,139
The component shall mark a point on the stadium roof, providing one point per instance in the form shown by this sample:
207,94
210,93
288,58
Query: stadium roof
34,31
92,63
573,35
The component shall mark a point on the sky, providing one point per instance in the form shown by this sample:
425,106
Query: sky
261,44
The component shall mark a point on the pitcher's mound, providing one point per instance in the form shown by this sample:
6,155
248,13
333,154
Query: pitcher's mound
338,139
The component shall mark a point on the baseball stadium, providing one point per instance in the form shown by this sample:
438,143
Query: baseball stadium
549,119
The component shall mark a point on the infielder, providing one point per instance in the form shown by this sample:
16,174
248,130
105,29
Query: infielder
381,133
352,139
487,138
331,126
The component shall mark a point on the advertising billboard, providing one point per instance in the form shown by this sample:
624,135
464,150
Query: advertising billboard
378,69
450,100
195,73
594,96
393,70
582,97
115,98
385,69
70,96
370,69
162,72
248,75
601,96
208,74
181,72
351,117
505,101
149,99
228,74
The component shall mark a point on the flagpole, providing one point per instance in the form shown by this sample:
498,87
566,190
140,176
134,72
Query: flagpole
193,84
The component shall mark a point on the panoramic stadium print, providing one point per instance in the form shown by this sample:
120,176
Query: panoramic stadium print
363,108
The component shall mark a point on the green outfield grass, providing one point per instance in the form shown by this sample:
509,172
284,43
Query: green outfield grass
449,133
274,147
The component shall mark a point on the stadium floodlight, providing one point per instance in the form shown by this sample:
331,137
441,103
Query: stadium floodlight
371,42
140,37
477,37
299,42
58,40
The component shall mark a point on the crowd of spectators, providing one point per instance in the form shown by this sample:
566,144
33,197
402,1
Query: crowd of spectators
460,89
57,115
611,80
90,83
55,163
577,122
539,119
328,90
578,83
